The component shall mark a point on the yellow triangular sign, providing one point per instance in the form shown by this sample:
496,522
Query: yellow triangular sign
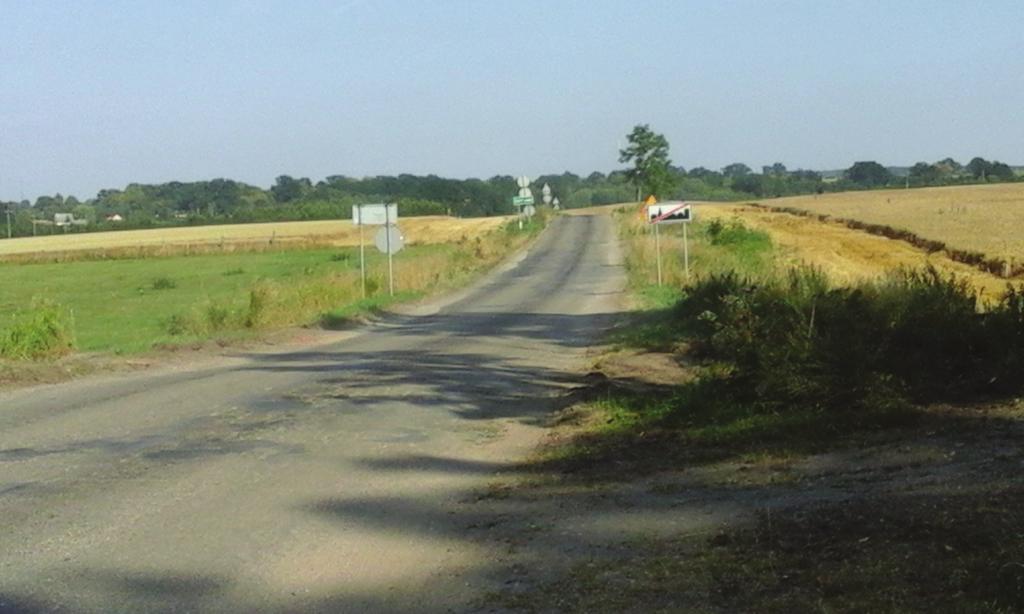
650,200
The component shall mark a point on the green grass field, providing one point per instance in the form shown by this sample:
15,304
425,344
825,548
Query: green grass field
125,306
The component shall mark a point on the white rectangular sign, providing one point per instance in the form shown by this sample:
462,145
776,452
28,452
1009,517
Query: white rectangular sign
669,213
376,214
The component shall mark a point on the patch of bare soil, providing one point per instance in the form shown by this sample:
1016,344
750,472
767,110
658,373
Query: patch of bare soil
21,374
928,517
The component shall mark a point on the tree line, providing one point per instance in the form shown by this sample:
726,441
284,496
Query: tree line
224,201
652,172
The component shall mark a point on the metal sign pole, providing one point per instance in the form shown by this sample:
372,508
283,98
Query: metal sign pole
686,252
362,251
657,249
387,232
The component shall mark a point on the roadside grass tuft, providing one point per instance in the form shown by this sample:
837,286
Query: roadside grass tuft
352,313
45,331
163,283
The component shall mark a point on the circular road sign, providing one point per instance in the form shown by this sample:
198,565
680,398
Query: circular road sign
381,239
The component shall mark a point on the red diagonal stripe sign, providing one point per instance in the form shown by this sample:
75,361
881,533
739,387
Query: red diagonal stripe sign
669,213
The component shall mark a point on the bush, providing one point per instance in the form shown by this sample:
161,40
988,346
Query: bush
917,337
217,317
260,298
46,331
734,233
178,324
164,283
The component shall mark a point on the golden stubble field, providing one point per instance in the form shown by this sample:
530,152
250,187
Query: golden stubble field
844,254
242,237
983,218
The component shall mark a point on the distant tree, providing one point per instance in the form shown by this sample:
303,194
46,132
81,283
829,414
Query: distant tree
736,169
868,174
49,202
751,184
948,166
979,168
806,175
287,189
778,169
661,181
925,174
1001,171
648,153
85,212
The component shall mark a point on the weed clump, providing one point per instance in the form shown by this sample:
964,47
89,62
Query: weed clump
261,297
164,283
46,331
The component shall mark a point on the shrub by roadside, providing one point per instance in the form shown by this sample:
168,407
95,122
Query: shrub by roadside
44,331
799,341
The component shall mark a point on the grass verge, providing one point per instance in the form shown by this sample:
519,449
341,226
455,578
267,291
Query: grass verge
129,306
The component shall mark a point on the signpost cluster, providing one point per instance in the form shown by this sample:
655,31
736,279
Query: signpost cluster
524,200
669,212
388,239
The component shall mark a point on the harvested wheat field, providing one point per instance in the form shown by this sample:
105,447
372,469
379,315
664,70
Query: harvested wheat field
244,237
844,254
981,218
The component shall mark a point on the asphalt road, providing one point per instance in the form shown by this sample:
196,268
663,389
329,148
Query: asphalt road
313,479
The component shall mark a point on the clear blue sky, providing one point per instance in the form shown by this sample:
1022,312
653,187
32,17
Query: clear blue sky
97,94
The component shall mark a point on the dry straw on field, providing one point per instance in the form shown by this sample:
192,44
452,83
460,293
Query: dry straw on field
979,224
233,238
844,254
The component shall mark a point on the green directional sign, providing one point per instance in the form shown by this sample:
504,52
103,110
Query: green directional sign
522,201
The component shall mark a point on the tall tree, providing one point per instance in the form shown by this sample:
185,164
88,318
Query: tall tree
736,169
924,173
287,189
869,174
648,152
979,168
1001,171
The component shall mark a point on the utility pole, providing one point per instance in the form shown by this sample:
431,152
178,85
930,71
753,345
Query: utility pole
8,221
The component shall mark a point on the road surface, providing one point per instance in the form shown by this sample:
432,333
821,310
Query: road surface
317,479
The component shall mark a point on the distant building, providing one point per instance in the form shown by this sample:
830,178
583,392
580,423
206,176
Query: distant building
114,217
67,220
